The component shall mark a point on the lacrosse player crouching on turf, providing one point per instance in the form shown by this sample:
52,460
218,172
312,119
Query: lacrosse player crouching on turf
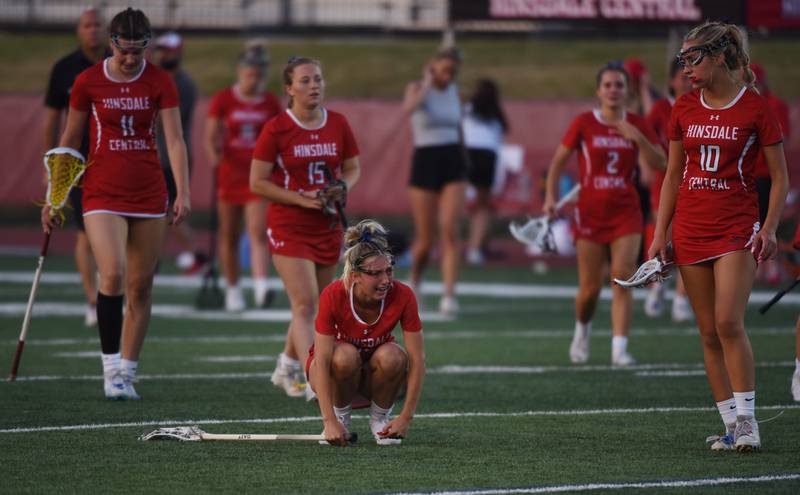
354,351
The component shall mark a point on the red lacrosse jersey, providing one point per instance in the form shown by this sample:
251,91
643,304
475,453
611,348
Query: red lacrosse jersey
337,316
607,162
301,155
781,111
658,118
242,119
717,206
124,176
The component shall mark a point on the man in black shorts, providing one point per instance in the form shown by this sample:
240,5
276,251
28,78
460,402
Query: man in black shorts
92,49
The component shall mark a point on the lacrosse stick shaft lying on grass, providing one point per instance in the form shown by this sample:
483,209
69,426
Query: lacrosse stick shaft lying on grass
195,434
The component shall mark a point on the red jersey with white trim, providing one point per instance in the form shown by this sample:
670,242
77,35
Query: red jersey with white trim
242,119
781,111
606,165
717,196
658,118
125,175
301,156
337,316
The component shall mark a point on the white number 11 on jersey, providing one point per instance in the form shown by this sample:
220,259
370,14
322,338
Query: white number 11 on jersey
709,157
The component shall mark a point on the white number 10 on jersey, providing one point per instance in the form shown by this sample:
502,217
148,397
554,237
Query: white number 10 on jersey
709,157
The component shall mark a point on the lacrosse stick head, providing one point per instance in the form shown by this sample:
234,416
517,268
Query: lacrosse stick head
64,167
653,270
179,433
534,232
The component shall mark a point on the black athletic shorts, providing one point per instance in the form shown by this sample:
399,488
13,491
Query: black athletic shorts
481,167
433,167
76,202
763,186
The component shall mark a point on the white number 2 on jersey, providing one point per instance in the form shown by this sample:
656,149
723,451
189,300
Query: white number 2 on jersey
709,157
316,173
127,125
611,166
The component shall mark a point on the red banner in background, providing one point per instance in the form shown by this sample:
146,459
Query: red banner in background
773,14
383,135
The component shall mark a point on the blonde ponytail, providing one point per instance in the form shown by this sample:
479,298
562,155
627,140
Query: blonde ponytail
366,239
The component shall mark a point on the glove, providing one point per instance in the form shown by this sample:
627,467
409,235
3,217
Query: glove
334,192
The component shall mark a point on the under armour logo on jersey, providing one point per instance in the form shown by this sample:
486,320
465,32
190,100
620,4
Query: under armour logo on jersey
315,137
125,89
715,117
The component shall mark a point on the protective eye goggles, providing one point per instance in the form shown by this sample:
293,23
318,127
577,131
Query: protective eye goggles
693,56
389,271
131,45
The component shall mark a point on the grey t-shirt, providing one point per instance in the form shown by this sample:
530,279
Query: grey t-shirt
187,94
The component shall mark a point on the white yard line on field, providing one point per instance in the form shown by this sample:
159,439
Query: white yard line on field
690,483
256,358
490,289
444,415
452,369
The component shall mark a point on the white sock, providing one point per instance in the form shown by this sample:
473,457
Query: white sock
287,363
619,344
583,329
128,368
797,365
343,413
727,409
377,412
745,403
111,363
261,284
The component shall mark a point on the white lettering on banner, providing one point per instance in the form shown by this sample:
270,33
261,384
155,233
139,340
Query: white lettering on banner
708,183
663,10
611,142
725,132
127,103
128,145
313,150
606,182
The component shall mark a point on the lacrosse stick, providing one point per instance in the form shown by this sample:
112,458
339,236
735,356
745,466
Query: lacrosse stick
337,204
210,295
64,166
536,231
777,297
653,270
195,434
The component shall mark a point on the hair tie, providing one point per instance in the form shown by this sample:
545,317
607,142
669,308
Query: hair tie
366,236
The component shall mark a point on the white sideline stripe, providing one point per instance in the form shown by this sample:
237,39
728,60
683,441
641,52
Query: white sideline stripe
258,358
498,290
671,374
77,354
444,415
429,335
617,486
452,369
182,311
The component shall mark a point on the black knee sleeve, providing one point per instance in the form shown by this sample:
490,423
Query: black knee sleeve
109,322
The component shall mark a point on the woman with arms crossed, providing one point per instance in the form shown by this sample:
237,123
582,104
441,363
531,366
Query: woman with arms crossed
124,194
612,142
710,199
354,351
296,154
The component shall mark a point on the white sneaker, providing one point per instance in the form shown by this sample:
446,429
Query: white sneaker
90,320
262,297
654,303
681,309
184,260
475,257
623,360
312,396
287,380
377,425
234,299
448,305
746,434
114,386
130,392
721,443
796,386
579,349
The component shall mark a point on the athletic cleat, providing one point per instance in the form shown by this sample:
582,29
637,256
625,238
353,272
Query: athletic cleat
311,395
796,385
114,386
579,349
654,303
90,319
746,434
234,300
263,298
130,392
377,425
448,305
651,271
475,257
681,309
288,382
720,443
623,360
